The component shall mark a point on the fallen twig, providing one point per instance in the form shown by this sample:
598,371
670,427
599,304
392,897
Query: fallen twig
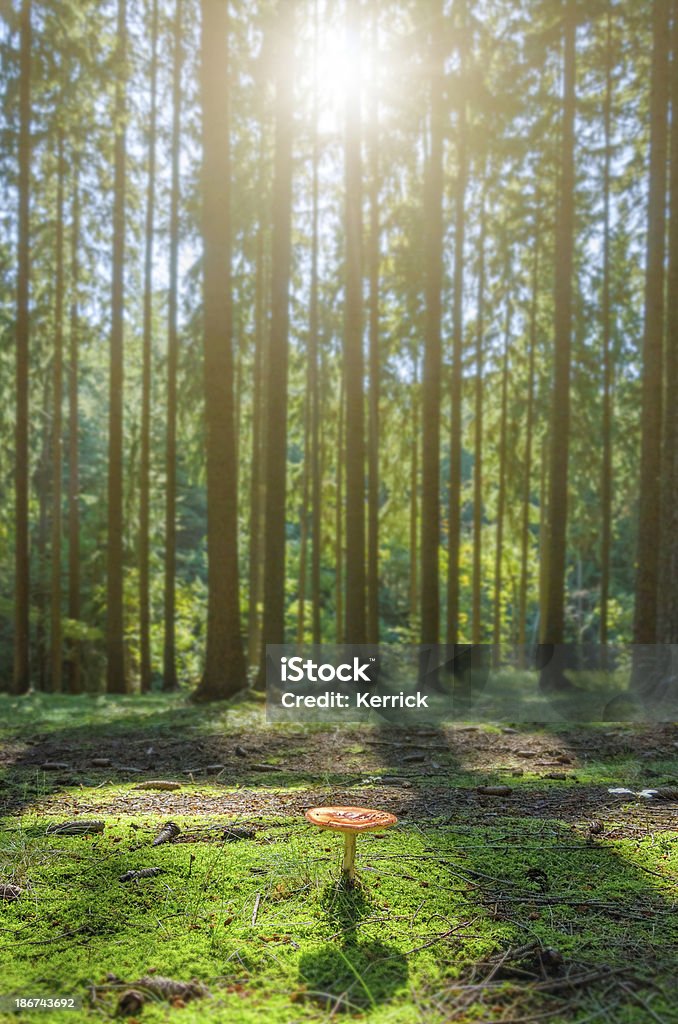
641,1002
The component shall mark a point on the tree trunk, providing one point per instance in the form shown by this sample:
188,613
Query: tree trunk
276,411
303,515
224,672
527,466
257,497
553,624
608,369
73,663
433,275
145,455
57,379
310,472
313,356
414,497
543,530
169,659
21,676
477,632
454,513
41,484
648,546
374,369
116,681
356,624
339,520
668,612
501,497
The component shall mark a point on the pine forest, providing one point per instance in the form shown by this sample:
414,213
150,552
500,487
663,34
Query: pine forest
333,321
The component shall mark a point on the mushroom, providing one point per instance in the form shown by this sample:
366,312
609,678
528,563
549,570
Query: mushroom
350,821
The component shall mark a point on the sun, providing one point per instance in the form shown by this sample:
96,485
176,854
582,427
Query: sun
342,68
339,67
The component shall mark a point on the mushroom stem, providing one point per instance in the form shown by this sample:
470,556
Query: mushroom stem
348,867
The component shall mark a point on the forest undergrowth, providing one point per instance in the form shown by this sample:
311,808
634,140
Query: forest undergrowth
517,886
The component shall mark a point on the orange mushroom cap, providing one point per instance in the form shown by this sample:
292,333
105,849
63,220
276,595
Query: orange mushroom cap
350,819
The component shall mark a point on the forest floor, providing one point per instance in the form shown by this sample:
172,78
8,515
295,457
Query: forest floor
551,899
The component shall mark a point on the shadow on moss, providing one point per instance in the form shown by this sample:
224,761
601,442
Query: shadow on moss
353,976
347,974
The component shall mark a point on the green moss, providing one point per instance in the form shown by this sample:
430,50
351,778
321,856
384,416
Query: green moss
262,921
431,901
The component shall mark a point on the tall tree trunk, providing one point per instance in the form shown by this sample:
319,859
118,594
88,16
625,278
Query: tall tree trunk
313,357
501,496
238,400
648,546
356,623
257,497
543,529
147,329
21,676
668,612
169,659
310,481
73,663
374,369
414,496
55,589
41,484
433,275
116,681
276,412
553,624
476,636
340,633
608,369
225,672
303,517
527,465
454,513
